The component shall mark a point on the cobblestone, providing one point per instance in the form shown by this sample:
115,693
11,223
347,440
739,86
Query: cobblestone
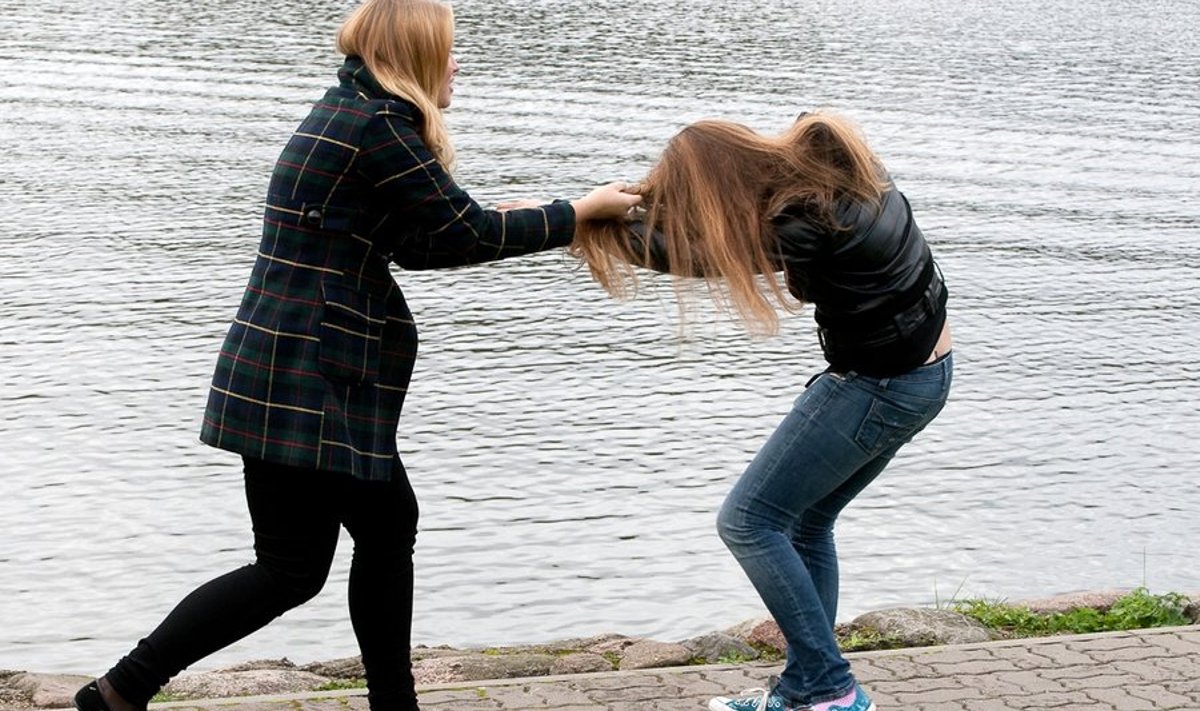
1144,670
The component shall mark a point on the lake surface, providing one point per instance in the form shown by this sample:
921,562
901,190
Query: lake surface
570,451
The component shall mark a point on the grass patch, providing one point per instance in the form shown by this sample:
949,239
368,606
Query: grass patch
867,641
735,658
767,653
1137,610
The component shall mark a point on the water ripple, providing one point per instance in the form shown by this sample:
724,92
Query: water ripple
570,451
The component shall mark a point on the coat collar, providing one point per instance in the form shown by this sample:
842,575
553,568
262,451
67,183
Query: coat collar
355,75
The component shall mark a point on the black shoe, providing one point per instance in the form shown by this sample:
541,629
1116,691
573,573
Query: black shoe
89,698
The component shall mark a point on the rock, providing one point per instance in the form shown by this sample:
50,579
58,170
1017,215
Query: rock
649,654
609,644
43,690
12,697
597,644
475,667
435,670
344,668
260,664
214,685
743,628
761,632
1100,601
580,663
716,646
1192,611
921,627
422,652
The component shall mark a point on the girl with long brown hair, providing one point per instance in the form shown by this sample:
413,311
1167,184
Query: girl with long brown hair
769,223
310,381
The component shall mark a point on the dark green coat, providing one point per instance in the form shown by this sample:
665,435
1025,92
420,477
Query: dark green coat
315,366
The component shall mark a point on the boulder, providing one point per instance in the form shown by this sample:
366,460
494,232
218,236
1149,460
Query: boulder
649,654
1192,611
717,646
609,644
580,663
476,667
1099,600
222,684
12,697
260,664
422,652
761,633
40,690
344,668
922,627
603,642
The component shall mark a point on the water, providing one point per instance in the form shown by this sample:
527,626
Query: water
570,451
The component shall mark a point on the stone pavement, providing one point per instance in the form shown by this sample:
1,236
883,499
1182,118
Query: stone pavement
1144,670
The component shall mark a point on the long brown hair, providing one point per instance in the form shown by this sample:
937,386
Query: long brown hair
406,46
712,195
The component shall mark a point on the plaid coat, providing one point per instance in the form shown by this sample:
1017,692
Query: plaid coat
315,366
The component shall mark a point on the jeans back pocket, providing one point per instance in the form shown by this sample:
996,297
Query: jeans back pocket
888,425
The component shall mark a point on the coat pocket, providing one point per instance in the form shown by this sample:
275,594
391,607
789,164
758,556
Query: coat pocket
351,328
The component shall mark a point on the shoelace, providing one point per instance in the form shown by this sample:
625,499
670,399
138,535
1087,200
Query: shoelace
762,703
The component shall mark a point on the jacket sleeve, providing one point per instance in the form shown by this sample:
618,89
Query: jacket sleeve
648,247
800,240
445,226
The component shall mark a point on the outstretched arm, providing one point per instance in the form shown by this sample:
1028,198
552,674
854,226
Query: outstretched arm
444,226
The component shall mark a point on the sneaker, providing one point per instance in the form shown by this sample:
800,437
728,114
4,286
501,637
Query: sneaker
856,700
753,700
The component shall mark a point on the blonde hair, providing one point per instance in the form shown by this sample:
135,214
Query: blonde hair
406,46
712,196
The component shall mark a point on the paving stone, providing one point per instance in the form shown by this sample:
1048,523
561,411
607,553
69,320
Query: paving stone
1039,682
1163,698
1056,655
1138,671
1120,699
1176,644
990,685
959,655
987,705
1148,670
1066,675
939,696
982,666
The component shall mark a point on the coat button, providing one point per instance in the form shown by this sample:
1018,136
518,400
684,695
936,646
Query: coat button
313,216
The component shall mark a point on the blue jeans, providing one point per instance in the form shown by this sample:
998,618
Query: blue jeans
778,520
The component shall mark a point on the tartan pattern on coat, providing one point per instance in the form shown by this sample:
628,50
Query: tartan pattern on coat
314,369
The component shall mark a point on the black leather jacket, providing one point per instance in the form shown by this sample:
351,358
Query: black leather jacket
879,297
880,302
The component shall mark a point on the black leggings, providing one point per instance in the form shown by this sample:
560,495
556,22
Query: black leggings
297,515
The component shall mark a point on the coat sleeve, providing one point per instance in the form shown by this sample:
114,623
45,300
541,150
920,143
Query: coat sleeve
444,226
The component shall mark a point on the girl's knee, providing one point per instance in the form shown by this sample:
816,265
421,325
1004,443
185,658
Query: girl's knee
298,588
294,579
735,528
